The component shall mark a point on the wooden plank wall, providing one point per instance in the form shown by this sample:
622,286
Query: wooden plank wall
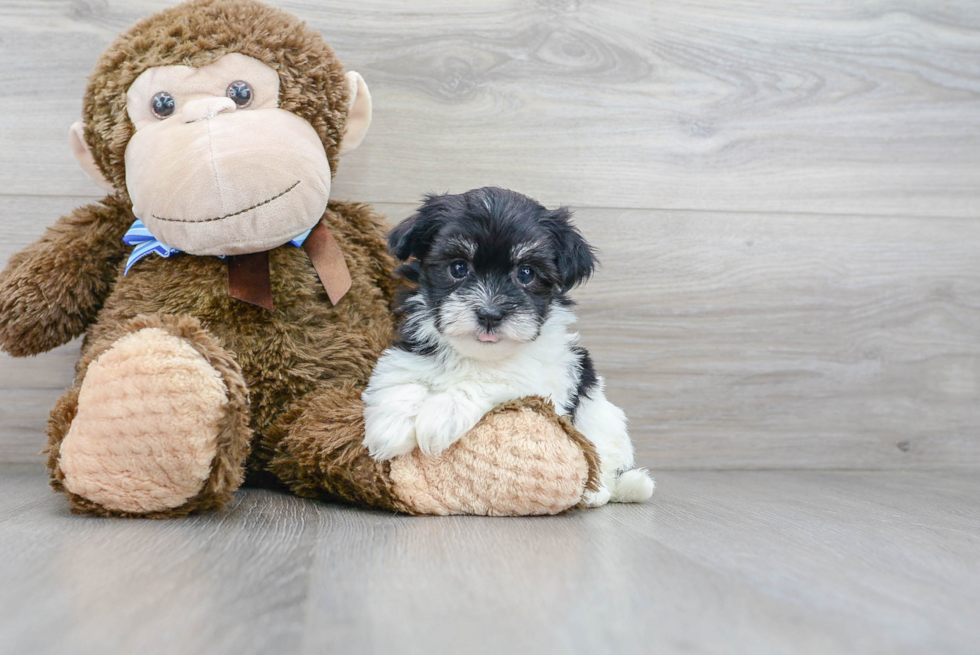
786,196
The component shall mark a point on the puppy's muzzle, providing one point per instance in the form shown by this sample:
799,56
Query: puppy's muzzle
489,317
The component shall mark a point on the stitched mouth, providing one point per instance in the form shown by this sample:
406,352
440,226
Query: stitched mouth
233,214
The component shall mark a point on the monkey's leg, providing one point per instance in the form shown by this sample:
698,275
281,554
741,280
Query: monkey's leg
156,424
521,459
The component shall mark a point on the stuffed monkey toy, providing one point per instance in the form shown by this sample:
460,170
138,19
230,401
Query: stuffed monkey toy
232,314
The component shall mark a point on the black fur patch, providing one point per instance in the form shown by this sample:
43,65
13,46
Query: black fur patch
587,379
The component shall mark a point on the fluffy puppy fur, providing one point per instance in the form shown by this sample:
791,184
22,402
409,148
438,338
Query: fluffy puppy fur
487,322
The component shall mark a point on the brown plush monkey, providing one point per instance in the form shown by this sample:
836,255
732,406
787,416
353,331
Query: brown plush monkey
228,347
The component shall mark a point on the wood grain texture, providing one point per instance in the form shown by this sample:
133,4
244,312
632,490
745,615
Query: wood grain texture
754,341
822,314
732,340
868,107
791,562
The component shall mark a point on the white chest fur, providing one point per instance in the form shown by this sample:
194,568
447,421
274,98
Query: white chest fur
430,401
546,367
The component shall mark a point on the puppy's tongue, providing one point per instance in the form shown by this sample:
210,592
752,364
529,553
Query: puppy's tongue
487,338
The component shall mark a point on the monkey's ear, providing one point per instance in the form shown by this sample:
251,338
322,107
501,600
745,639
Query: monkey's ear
358,112
76,139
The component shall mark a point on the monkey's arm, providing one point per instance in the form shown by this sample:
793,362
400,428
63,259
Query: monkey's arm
52,290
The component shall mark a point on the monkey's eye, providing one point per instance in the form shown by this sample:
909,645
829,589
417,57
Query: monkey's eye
241,93
525,275
459,269
162,105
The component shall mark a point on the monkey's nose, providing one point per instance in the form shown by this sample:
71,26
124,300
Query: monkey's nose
197,110
489,317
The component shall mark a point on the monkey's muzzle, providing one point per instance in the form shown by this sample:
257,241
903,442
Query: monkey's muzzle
228,183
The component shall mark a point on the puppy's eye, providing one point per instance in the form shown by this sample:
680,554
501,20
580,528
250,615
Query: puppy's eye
459,269
525,275
241,93
162,105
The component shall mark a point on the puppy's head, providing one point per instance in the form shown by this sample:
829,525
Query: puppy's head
491,264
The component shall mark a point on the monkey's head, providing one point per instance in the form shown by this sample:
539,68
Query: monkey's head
223,121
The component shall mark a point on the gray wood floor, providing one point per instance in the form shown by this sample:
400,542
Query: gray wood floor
718,562
786,195
787,200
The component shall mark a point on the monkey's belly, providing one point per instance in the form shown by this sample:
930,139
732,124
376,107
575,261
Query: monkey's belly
285,353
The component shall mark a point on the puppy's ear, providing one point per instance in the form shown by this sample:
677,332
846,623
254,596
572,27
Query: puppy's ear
401,239
574,257
414,235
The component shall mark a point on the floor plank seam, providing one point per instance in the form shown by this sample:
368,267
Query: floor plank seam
578,206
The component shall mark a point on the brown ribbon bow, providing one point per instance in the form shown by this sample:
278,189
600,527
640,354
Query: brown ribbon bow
249,280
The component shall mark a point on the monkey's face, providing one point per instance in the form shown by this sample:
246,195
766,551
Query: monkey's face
215,166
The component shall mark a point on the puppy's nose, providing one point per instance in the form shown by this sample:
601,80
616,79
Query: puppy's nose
489,317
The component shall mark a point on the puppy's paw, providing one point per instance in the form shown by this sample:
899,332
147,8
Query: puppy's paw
388,434
442,420
596,498
633,486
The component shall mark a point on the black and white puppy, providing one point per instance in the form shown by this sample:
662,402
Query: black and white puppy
487,323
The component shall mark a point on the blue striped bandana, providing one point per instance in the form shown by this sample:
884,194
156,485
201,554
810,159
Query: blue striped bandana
147,244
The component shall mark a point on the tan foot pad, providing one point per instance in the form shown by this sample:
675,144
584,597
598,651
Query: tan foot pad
144,437
516,464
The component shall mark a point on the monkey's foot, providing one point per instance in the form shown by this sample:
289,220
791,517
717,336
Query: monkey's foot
519,460
155,430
